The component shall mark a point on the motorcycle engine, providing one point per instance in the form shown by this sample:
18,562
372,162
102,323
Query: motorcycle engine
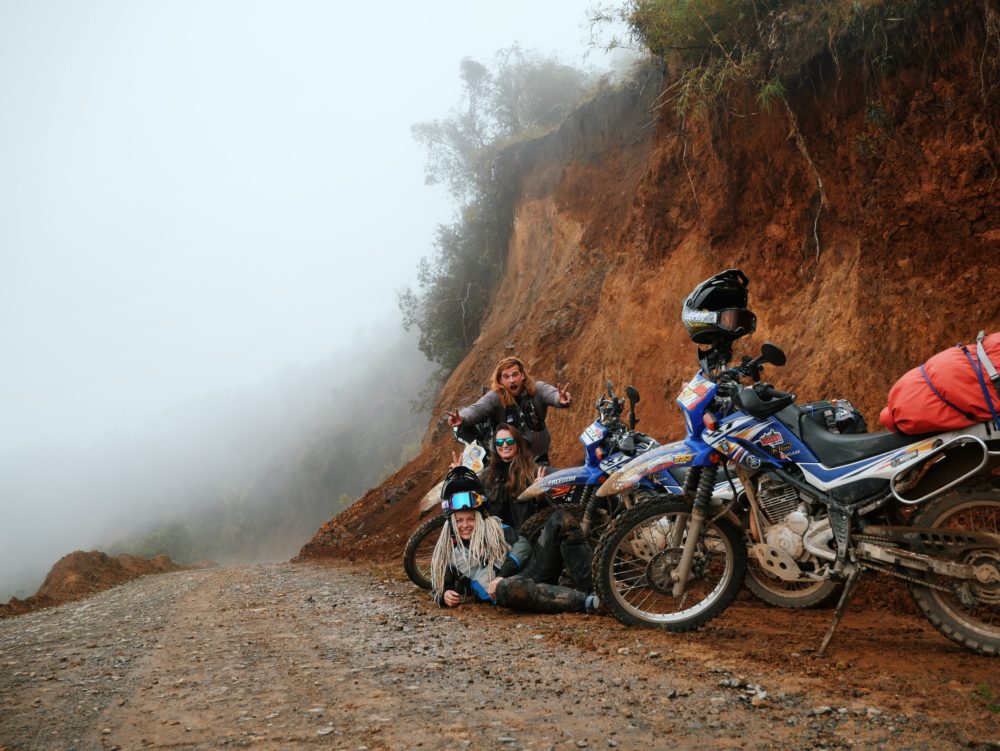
780,503
777,499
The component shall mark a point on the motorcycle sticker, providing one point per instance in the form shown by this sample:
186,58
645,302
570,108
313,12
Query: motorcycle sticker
903,458
775,443
739,454
770,438
907,455
593,434
694,392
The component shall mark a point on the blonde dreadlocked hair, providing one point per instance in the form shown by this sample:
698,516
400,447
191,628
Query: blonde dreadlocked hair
487,545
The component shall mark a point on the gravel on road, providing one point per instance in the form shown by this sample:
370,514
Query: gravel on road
346,656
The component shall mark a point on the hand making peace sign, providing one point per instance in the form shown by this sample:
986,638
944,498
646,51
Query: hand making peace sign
564,395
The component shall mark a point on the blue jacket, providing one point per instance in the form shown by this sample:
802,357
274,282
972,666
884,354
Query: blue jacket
468,576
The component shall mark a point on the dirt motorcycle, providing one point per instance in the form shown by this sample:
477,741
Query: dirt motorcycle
608,443
819,507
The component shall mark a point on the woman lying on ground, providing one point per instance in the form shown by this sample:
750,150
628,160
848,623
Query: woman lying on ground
478,555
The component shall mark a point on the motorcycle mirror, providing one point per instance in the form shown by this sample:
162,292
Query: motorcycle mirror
632,394
773,354
611,389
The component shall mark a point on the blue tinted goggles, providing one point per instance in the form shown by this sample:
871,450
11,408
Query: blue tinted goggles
464,501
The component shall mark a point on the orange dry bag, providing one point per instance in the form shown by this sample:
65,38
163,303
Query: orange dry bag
953,389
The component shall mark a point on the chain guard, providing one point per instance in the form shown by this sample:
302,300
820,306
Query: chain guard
930,541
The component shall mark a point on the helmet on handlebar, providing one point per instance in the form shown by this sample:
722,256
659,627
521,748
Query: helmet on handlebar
716,310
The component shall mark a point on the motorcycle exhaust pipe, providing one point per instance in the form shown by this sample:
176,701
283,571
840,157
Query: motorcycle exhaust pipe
940,469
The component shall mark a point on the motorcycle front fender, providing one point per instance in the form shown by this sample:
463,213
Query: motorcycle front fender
570,476
653,462
431,499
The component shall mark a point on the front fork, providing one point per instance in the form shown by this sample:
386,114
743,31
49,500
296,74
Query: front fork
589,501
705,479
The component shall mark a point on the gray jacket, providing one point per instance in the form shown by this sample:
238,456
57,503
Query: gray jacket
528,415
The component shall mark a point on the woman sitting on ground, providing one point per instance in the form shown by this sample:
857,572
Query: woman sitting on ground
478,555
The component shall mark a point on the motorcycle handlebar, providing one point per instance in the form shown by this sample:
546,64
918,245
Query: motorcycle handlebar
767,392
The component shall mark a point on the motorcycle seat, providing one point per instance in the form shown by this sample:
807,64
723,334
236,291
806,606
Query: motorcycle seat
837,449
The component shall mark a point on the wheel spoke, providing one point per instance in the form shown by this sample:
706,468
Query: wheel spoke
636,565
976,627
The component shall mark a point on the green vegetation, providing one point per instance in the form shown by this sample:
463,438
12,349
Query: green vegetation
769,45
983,696
719,51
520,95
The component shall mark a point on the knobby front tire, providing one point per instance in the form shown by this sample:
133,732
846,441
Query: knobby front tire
639,552
419,549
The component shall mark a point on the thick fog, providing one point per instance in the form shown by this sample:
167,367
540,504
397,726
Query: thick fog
197,202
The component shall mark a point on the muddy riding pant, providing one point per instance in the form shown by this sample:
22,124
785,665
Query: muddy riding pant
561,544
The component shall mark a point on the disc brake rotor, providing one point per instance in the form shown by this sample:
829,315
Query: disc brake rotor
660,568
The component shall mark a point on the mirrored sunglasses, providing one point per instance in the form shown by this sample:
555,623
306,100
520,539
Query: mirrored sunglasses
466,500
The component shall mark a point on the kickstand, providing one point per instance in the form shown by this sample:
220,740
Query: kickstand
845,597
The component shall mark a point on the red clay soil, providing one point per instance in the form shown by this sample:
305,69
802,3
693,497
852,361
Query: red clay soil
81,574
623,210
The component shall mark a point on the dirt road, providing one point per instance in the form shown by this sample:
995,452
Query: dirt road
348,657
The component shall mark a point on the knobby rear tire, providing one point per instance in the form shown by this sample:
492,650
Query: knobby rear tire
977,509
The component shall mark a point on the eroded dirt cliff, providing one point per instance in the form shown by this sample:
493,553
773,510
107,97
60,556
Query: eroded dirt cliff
624,209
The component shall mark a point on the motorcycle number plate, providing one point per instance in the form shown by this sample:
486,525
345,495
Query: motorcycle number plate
694,392
472,457
593,434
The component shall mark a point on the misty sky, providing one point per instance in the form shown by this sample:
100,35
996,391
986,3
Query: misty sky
194,194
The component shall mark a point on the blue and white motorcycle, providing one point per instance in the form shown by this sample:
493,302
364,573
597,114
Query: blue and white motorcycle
608,444
817,506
